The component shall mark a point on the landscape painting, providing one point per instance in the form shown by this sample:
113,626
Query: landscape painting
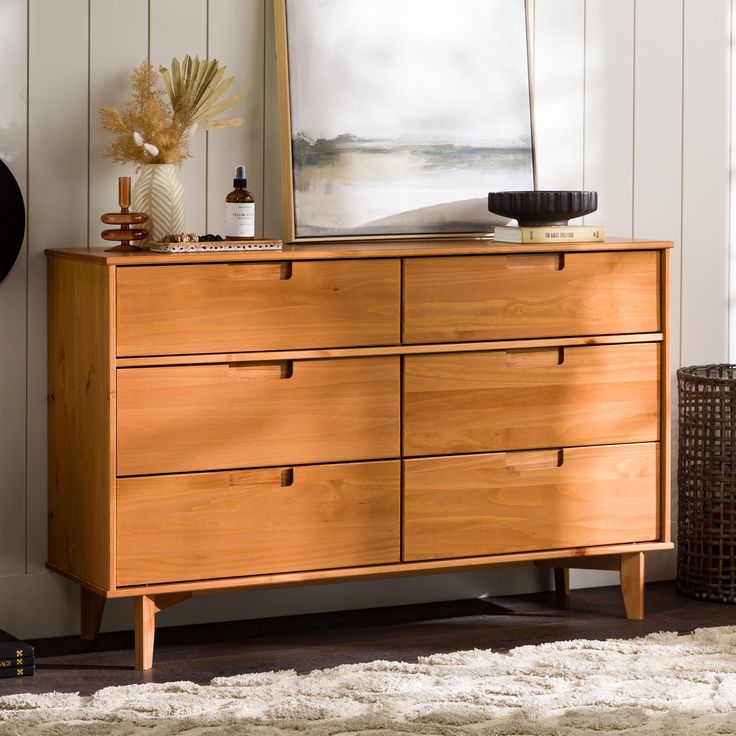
404,114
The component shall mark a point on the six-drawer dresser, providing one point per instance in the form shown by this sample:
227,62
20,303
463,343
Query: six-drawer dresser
343,411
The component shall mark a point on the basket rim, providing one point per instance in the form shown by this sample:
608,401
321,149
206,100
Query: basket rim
688,372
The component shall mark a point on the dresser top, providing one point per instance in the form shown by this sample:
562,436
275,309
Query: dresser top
355,249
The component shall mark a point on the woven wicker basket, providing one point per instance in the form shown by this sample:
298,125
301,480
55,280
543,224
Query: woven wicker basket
706,556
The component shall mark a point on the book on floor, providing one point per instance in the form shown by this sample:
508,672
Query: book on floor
6,662
24,671
549,234
11,648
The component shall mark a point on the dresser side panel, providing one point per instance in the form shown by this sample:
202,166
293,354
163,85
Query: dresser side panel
81,420
665,402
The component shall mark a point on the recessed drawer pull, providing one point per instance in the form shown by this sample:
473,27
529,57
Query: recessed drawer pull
536,262
259,271
261,477
535,357
534,460
255,371
245,479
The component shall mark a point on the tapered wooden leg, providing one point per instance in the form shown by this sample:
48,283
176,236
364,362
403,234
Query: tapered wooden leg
92,607
562,581
145,631
632,584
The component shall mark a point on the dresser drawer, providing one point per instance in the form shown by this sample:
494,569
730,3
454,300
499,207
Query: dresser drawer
518,399
237,307
525,501
211,417
467,298
251,522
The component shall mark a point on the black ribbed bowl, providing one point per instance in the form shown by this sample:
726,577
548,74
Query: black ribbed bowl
542,208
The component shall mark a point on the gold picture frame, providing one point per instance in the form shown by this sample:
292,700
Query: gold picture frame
307,159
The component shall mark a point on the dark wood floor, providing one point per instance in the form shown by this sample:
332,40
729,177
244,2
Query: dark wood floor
202,652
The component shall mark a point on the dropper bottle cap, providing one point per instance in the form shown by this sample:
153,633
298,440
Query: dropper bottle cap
240,180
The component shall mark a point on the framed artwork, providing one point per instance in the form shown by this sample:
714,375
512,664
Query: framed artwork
399,116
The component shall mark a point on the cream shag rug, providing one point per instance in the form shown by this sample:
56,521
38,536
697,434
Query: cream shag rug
662,683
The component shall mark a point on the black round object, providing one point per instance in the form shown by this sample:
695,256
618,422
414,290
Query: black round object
13,218
542,208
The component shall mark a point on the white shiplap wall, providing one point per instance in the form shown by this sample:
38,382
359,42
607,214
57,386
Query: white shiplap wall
633,98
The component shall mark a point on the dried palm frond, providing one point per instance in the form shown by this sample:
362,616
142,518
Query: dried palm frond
153,130
195,89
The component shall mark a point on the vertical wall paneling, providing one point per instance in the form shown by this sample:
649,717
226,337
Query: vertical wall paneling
57,197
609,111
236,38
559,93
658,160
272,210
118,44
705,192
178,28
13,316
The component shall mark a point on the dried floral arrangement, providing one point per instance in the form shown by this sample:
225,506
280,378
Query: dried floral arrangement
155,130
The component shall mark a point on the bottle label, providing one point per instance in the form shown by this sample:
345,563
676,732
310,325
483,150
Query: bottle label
240,220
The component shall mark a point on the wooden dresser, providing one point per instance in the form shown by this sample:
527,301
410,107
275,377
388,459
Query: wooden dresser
346,411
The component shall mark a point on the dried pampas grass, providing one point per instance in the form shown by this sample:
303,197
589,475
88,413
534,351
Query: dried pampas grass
154,130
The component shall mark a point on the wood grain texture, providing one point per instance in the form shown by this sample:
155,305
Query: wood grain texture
476,505
251,306
281,48
360,249
204,440
212,417
562,581
599,562
518,399
665,430
166,600
219,525
145,631
632,584
81,419
470,298
272,211
92,608
448,347
378,572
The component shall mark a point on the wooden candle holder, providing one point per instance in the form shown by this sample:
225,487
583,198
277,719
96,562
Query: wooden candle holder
125,234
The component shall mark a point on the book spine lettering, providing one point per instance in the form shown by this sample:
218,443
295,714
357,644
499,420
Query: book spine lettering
532,235
550,234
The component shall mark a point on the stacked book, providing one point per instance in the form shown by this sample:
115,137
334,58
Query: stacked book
16,657
549,234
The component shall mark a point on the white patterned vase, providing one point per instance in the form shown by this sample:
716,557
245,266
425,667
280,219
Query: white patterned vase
158,191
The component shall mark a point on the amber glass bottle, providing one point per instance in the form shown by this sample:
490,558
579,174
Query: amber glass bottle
240,210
